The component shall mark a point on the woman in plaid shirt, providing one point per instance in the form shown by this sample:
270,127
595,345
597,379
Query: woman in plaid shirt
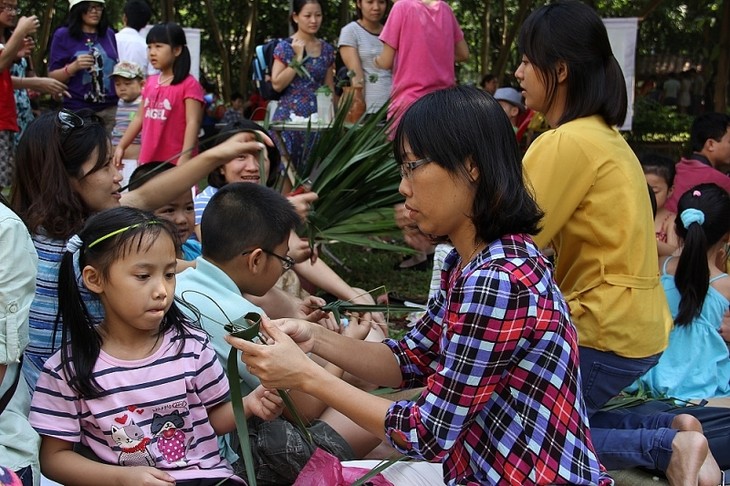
496,351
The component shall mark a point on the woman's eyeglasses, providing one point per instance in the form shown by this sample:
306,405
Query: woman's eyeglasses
407,168
95,7
68,121
4,7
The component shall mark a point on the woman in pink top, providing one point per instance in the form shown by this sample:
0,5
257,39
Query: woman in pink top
422,41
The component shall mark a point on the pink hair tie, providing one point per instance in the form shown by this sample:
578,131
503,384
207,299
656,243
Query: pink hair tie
696,193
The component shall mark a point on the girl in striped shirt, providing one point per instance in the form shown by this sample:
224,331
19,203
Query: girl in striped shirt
143,390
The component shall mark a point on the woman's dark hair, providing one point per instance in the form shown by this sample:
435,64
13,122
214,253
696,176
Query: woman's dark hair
216,178
107,236
693,274
173,35
75,23
296,8
571,32
455,125
48,156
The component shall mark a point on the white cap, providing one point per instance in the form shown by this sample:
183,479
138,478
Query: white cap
73,3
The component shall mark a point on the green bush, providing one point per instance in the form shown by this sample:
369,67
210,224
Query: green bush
654,122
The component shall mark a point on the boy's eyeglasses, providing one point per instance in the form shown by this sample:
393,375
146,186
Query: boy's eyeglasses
407,168
286,261
68,121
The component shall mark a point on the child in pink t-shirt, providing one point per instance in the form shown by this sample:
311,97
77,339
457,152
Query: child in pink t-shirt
172,102
422,41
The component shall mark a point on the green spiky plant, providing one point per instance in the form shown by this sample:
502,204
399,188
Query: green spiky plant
354,172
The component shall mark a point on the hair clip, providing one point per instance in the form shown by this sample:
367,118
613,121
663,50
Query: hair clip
696,193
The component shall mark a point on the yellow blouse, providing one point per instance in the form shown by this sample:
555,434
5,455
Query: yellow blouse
598,219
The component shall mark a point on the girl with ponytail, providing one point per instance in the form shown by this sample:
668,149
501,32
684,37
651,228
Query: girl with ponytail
696,363
598,220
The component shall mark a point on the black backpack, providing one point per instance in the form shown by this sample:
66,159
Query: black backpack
263,61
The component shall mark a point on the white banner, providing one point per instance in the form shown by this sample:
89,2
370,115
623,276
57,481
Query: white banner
622,35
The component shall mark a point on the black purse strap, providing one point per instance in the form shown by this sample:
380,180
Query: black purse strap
8,395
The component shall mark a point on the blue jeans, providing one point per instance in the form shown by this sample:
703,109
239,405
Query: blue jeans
622,438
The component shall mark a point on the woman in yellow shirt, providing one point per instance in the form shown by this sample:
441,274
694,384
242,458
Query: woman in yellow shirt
598,219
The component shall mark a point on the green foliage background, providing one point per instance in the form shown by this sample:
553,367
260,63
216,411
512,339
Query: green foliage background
687,29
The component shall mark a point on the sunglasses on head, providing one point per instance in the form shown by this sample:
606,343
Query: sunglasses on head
68,121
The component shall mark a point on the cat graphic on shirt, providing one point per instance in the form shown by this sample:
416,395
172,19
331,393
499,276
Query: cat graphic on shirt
170,438
133,444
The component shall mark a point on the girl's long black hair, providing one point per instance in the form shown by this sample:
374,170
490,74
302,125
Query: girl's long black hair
80,336
692,276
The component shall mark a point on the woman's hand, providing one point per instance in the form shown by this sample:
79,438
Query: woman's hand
49,86
238,144
303,203
281,363
299,249
27,25
81,63
298,46
263,403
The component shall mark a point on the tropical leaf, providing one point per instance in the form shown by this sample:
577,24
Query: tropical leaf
354,172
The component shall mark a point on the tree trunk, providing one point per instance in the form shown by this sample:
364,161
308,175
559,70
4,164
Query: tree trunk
501,65
167,10
345,15
486,43
215,32
723,63
41,54
249,45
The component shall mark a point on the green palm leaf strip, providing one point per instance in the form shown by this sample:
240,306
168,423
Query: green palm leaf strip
248,328
251,332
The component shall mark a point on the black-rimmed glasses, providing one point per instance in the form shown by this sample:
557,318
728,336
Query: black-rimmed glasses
407,168
286,261
68,121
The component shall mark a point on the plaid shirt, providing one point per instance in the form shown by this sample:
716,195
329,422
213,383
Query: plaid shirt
498,356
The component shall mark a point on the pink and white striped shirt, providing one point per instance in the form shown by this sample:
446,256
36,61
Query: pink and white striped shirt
153,411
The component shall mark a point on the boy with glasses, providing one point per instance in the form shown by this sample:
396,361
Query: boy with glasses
245,240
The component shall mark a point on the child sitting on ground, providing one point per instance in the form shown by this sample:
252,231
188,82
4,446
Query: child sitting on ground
659,172
179,211
696,363
142,388
128,78
245,229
